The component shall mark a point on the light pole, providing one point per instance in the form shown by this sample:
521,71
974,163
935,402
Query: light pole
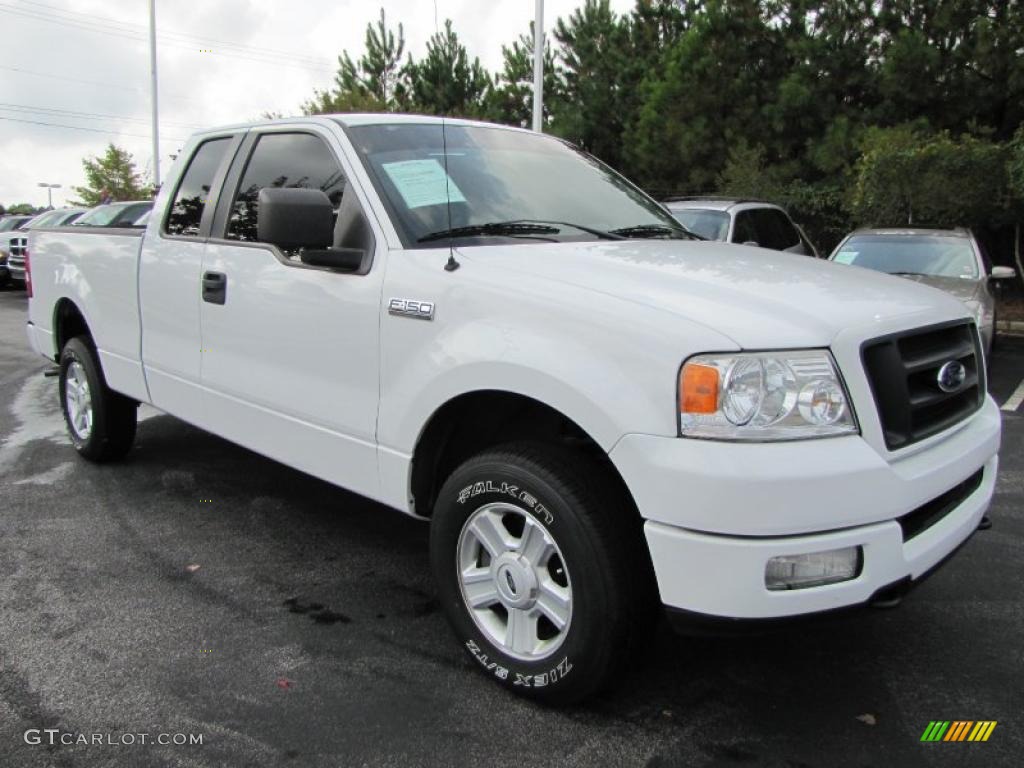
49,191
538,68
152,72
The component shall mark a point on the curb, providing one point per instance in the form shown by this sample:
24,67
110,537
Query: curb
1010,326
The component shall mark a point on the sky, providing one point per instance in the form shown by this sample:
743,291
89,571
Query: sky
84,64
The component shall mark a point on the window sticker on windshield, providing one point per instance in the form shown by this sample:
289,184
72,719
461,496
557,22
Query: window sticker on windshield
846,257
423,182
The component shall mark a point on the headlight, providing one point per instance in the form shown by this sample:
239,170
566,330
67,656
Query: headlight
763,396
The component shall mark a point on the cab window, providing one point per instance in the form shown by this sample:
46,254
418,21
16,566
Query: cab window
283,160
186,213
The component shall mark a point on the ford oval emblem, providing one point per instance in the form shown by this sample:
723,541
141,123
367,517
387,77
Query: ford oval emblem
951,376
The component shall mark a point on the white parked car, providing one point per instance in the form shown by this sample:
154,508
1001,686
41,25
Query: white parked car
485,328
13,244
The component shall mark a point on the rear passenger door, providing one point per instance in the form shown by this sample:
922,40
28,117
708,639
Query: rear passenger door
169,268
290,352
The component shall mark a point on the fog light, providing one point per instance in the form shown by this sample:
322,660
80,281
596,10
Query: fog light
813,569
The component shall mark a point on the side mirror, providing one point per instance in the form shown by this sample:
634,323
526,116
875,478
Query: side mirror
294,218
341,259
1003,273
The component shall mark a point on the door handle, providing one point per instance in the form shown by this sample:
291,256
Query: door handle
215,287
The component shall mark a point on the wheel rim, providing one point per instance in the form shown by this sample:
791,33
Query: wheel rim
78,400
514,581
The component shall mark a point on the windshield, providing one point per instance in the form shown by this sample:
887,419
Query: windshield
499,176
116,215
714,225
937,255
12,223
45,220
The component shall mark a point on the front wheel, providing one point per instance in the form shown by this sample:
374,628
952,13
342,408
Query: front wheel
539,571
100,422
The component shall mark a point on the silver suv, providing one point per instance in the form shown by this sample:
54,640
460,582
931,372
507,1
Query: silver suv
732,220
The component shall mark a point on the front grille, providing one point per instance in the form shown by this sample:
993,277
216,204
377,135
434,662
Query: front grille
903,371
927,515
16,259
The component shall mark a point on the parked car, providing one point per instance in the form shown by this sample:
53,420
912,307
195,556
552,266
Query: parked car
11,222
125,214
951,260
749,222
8,224
15,243
483,327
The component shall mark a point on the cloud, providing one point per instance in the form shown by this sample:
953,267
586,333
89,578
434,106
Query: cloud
85,64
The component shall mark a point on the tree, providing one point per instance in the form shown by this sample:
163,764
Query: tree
376,83
593,53
906,176
713,89
23,209
1015,172
446,82
114,172
511,98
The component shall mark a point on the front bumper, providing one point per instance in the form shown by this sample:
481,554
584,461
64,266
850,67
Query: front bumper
717,512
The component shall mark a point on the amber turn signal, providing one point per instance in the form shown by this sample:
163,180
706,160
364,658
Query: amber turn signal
698,389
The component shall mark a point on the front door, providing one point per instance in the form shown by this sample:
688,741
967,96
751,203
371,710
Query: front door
290,352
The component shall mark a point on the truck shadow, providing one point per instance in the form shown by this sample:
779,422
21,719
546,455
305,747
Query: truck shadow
727,700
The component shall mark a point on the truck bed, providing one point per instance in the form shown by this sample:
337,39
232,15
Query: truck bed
98,266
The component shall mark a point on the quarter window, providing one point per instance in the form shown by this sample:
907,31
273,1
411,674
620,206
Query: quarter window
190,201
283,160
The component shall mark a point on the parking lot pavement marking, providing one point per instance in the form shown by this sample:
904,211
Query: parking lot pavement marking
1015,399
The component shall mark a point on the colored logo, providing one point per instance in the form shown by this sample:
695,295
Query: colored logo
958,730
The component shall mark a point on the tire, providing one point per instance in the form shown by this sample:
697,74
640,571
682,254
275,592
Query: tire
100,422
563,531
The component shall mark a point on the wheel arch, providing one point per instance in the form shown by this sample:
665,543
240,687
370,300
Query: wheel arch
68,321
476,420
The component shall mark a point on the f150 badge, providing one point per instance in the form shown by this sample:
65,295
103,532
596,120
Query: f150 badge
424,310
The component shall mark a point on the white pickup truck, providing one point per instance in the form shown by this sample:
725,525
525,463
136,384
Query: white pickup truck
487,328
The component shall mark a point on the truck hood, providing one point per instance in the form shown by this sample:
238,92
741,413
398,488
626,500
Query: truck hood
760,299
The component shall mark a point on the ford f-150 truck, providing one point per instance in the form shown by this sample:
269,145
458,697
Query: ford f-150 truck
598,413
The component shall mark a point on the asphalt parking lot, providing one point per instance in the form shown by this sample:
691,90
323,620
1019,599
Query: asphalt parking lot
199,588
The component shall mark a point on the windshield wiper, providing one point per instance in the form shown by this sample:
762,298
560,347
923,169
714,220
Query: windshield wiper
913,274
496,228
515,228
656,230
600,233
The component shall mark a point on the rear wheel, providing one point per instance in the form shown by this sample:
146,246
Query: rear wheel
100,422
539,570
